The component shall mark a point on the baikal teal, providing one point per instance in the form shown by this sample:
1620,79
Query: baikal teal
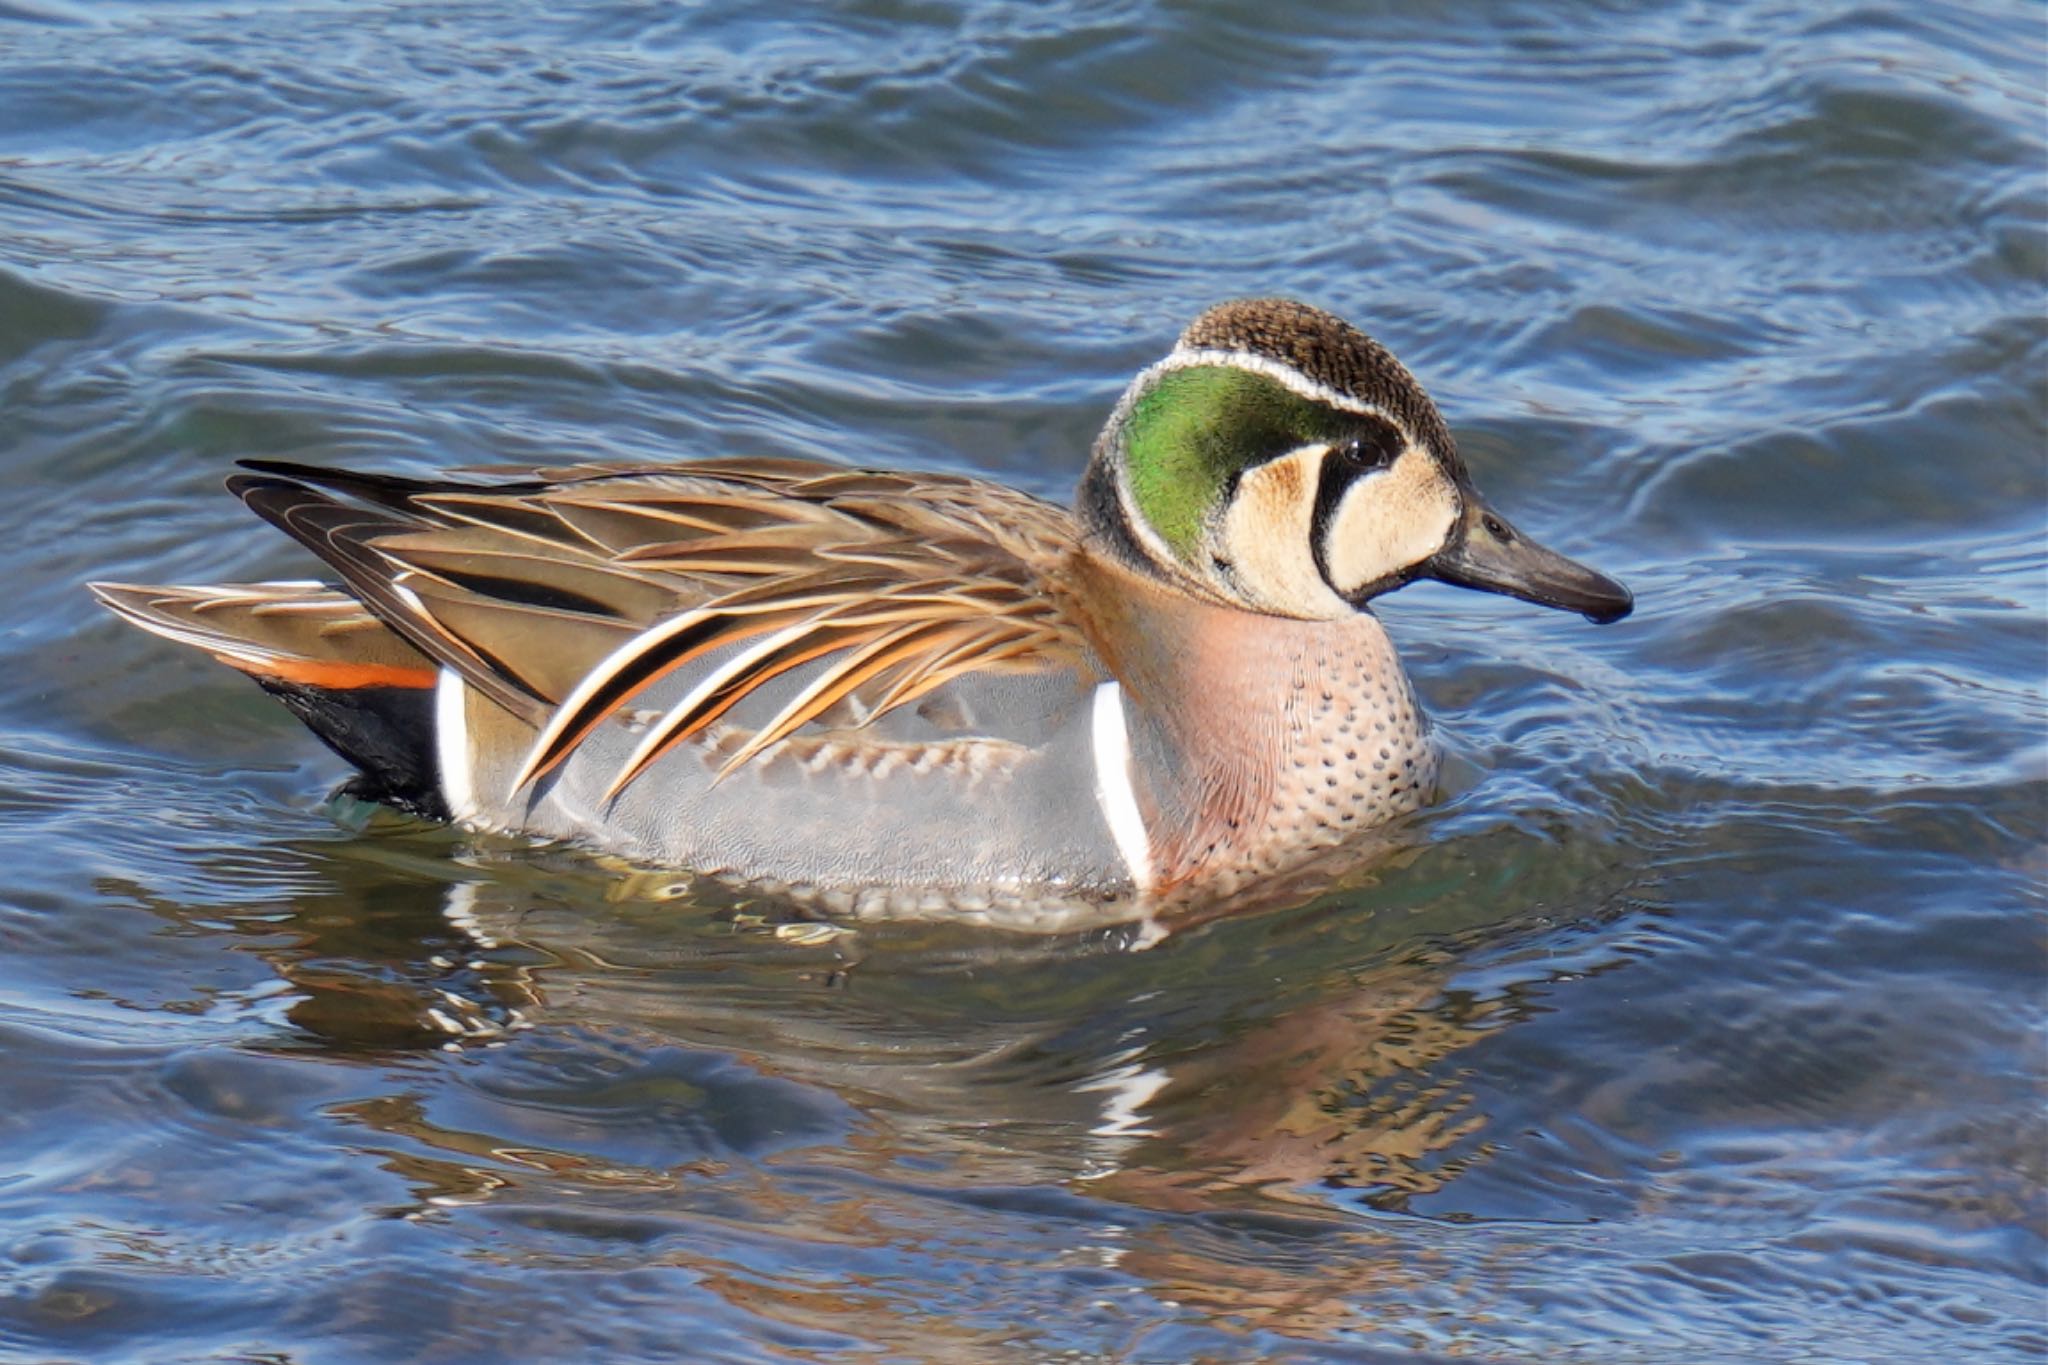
681,664
1696,1018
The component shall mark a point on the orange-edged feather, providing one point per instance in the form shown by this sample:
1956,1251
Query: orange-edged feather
304,633
564,595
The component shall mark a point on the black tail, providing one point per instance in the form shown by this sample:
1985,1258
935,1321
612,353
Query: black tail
387,732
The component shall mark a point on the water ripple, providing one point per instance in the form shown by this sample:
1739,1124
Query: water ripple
1700,1022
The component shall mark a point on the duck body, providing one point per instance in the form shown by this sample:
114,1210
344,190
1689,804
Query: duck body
889,694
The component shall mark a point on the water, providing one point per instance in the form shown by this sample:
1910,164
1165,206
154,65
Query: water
1703,1024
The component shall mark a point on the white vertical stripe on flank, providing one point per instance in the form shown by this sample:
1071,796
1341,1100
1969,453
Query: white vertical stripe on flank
1113,789
451,745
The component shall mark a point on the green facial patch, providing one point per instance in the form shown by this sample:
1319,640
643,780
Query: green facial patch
1195,430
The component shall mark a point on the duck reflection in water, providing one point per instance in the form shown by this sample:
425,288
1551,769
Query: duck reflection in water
678,1062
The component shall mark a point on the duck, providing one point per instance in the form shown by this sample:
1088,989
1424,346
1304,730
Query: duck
891,694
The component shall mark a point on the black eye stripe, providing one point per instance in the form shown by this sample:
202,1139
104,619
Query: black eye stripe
1338,475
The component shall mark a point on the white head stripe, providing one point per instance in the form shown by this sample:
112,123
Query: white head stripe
1289,378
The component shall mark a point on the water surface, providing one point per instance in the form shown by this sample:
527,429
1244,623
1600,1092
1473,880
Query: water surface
1702,1024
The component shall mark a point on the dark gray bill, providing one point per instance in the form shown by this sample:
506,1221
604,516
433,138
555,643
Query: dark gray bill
1494,556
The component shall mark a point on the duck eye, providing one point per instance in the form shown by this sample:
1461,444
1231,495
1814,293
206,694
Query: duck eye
1369,450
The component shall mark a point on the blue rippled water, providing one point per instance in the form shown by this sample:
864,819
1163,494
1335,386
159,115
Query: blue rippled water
1703,1024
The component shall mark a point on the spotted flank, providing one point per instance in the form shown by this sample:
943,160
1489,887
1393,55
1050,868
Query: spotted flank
903,693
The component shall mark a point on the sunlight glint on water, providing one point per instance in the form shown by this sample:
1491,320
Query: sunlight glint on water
1702,1023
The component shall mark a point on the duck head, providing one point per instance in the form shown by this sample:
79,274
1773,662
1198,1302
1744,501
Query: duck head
1281,461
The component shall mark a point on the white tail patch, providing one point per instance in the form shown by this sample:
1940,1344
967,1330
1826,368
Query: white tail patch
1113,788
452,746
